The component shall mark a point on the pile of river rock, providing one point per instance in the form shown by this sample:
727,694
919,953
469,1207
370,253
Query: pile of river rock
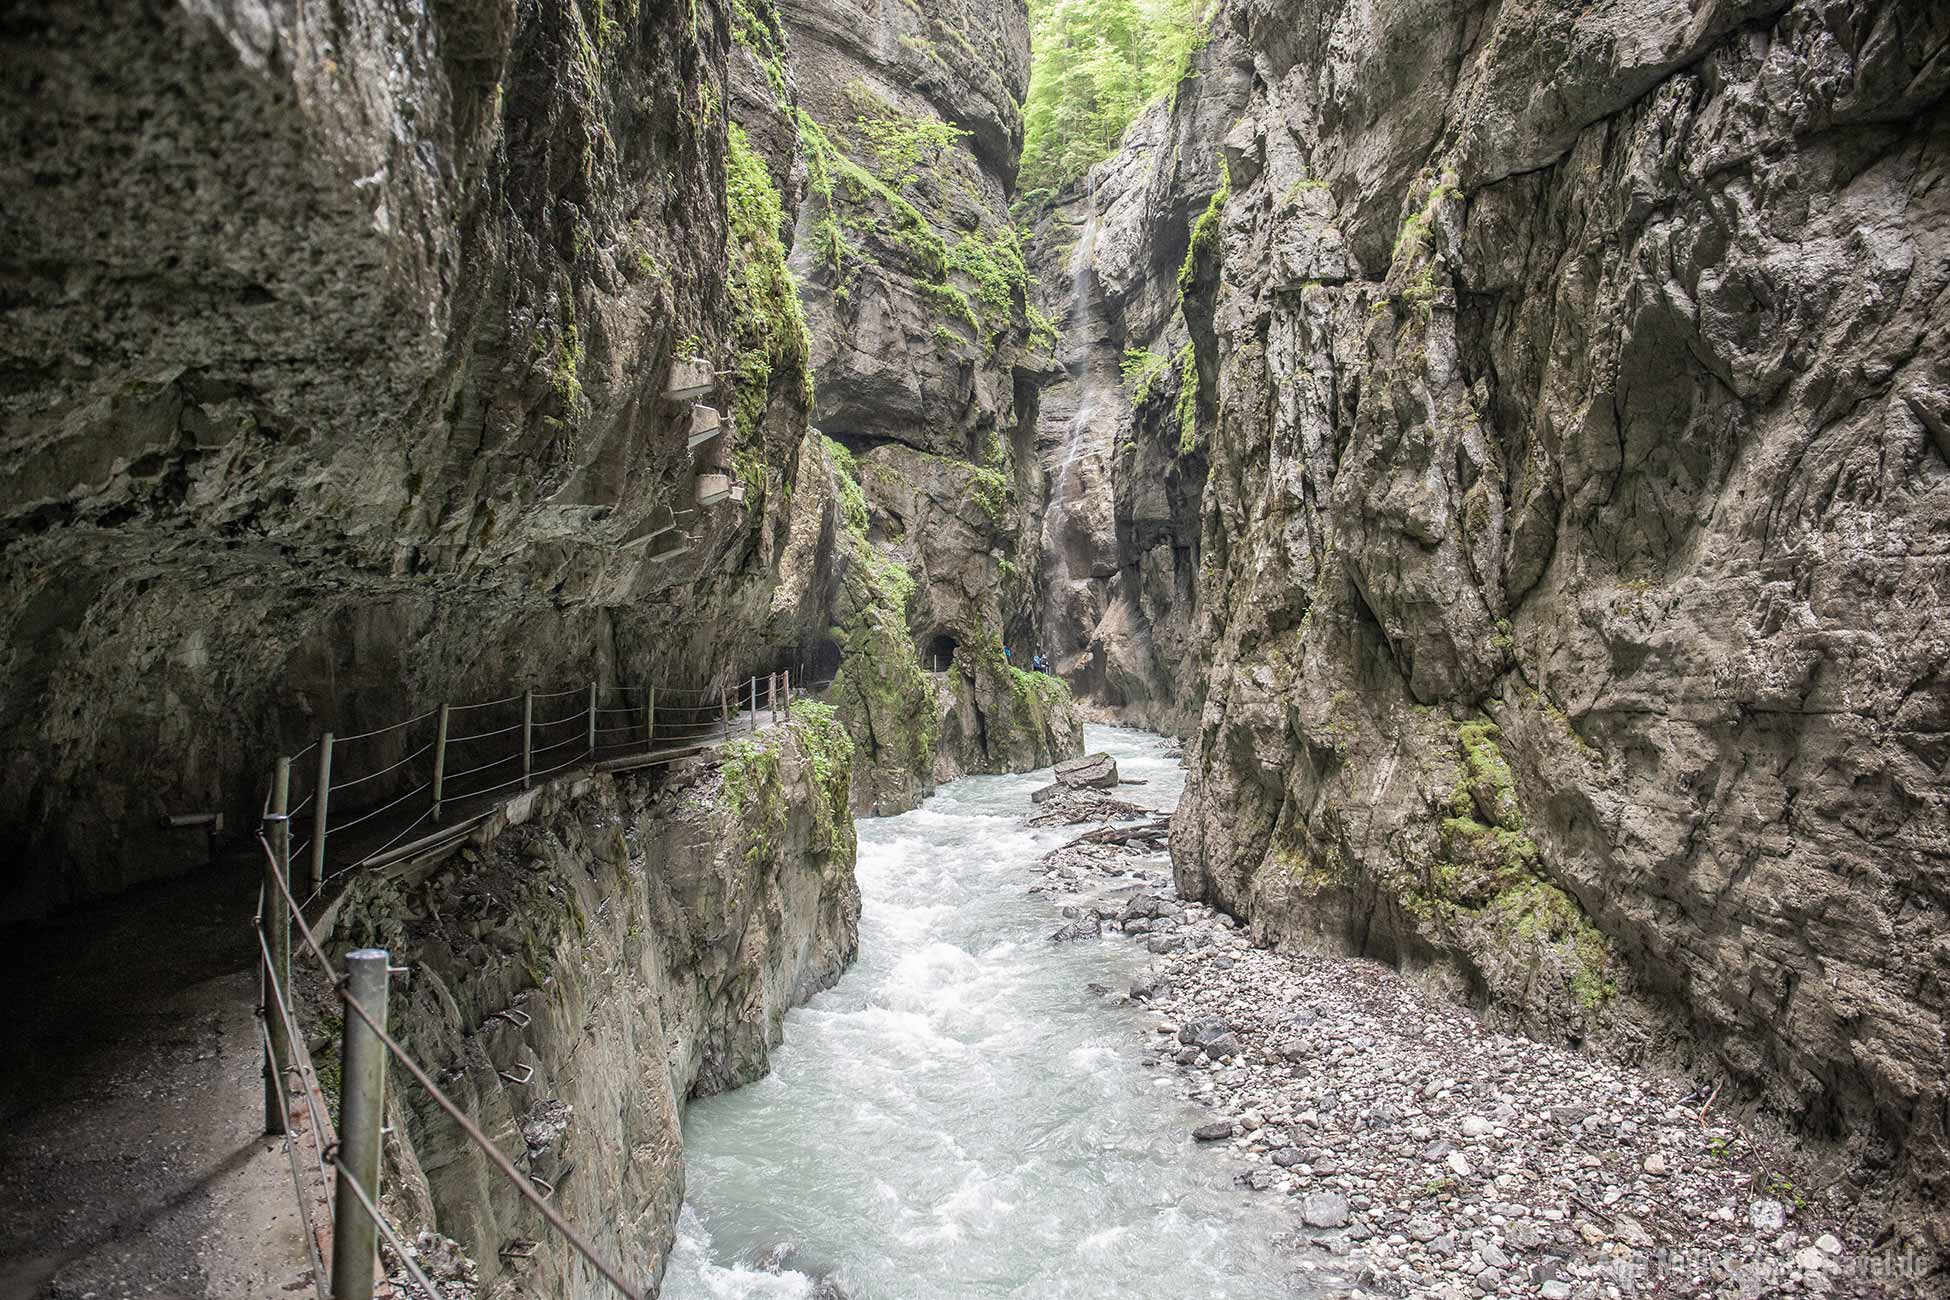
1427,1155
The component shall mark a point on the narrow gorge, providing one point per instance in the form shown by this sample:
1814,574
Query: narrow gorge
637,512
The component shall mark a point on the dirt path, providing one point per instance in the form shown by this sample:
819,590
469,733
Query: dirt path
132,1159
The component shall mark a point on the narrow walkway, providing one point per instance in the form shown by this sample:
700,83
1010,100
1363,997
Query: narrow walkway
459,811
132,1158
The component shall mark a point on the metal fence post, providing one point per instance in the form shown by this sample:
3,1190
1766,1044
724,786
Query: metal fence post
649,717
772,696
592,717
788,695
527,735
751,728
277,938
440,760
320,797
724,711
361,1114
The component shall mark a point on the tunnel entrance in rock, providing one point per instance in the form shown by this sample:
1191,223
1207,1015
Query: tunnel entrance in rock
940,651
818,662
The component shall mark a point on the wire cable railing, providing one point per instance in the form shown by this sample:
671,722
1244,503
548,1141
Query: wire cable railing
363,796
400,784
352,1153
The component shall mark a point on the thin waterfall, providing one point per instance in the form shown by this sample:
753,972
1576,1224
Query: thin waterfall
1080,333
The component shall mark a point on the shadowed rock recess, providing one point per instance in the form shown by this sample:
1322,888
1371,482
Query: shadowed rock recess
1571,395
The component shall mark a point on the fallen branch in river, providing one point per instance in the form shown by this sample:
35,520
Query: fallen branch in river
1149,832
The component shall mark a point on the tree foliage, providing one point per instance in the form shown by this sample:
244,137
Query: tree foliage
1095,65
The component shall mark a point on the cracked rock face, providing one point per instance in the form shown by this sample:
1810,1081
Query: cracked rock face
1116,429
331,385
1573,560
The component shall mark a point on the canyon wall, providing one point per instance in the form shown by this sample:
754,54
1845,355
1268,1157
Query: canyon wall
1574,402
333,386
916,293
632,944
1118,428
335,354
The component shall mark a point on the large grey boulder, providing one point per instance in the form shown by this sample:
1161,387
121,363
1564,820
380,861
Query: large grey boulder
1097,771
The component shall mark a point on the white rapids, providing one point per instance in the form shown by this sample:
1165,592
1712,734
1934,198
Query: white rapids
959,1119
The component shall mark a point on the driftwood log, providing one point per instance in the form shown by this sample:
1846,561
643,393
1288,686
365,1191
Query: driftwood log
1146,832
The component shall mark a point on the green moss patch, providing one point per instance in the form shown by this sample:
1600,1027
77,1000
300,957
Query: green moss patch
769,325
830,748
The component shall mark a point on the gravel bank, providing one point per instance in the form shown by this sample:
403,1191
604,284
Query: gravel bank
1428,1155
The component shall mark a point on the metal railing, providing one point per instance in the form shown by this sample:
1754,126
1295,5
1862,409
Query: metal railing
376,796
345,1224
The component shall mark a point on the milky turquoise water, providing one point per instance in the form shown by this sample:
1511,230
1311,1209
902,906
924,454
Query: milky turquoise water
959,1119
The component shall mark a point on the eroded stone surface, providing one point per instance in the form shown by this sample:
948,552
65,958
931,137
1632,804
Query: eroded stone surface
1572,536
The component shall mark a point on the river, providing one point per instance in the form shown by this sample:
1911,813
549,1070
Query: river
959,1118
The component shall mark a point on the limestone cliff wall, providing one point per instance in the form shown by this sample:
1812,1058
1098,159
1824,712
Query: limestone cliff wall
1573,391
636,943
916,294
1118,431
331,381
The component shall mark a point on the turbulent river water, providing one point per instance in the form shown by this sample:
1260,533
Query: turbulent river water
960,1118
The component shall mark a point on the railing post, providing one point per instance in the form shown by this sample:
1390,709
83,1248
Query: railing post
772,696
440,760
592,719
751,728
724,712
649,717
788,695
527,735
277,938
362,1111
320,797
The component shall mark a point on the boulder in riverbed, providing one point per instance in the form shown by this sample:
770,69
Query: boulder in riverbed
1204,1031
1088,927
1324,1210
1217,1131
1096,770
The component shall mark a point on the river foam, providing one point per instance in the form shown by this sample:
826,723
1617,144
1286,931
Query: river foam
959,1119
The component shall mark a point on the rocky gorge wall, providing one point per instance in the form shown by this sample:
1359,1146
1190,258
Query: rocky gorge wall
346,397
915,290
1118,427
334,360
1573,398
635,942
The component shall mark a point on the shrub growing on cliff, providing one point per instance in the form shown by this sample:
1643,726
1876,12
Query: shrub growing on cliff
1186,408
771,327
831,750
846,478
1142,369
